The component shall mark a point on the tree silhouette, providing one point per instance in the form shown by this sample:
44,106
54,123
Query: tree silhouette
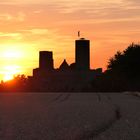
127,63
122,74
18,83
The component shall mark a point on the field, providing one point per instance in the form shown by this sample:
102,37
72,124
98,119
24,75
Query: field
69,116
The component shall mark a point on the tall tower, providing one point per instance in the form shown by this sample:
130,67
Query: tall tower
46,60
82,54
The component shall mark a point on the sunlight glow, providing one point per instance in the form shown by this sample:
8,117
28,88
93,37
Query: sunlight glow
8,77
17,58
10,72
12,54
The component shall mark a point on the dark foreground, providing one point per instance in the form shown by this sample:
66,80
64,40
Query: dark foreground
69,116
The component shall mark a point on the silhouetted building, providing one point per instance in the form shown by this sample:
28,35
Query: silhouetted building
64,66
82,54
71,77
46,60
73,66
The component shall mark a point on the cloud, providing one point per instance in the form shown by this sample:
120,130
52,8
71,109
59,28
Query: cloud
8,35
43,34
33,34
8,1
92,9
37,11
84,8
37,31
20,16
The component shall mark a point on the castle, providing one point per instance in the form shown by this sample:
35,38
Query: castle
73,77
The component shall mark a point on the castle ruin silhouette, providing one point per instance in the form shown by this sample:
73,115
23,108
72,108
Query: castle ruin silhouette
73,77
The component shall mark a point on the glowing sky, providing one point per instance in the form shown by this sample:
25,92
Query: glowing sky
29,26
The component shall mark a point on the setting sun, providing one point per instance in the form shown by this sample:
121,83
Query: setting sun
8,77
10,72
16,58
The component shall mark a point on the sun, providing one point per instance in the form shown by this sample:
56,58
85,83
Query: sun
8,77
10,72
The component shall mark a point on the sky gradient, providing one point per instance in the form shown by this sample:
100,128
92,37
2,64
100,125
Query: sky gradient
30,26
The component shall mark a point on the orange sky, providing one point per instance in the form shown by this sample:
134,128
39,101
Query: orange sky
33,25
